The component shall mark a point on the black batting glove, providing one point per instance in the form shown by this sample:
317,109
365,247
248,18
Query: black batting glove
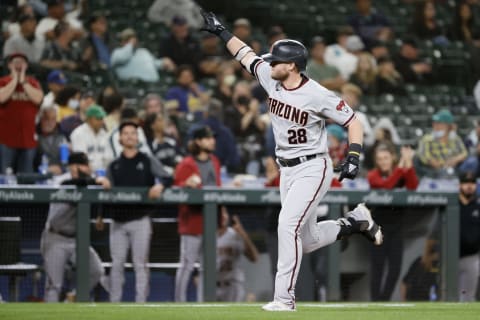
350,167
213,25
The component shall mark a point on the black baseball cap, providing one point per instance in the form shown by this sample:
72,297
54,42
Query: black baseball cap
467,177
78,158
202,132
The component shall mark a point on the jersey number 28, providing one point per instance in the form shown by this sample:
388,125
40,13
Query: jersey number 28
297,136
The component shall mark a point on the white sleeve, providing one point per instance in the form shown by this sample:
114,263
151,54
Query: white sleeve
261,71
335,108
78,141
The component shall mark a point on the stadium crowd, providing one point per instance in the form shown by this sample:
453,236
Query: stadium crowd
56,50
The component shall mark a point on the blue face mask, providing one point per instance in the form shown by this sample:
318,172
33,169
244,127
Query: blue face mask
437,134
73,104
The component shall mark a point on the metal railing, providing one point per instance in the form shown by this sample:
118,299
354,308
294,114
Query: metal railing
447,203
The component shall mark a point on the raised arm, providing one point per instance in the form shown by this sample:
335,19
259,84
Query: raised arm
239,49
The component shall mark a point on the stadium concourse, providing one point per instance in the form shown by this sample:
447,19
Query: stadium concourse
76,70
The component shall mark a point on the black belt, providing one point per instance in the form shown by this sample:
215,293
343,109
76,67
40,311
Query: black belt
63,234
295,161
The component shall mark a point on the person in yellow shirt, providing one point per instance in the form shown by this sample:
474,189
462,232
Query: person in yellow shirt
67,102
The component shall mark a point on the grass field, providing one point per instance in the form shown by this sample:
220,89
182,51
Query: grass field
167,311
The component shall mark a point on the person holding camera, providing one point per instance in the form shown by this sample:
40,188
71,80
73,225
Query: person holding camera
58,244
244,118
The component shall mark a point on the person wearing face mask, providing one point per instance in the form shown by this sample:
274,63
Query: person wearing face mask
441,151
67,102
389,174
469,264
57,244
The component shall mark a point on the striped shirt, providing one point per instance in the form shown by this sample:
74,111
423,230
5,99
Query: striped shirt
430,148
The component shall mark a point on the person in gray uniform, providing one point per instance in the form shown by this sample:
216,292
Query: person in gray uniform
232,243
131,227
57,245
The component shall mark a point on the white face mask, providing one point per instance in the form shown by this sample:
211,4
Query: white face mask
437,134
229,80
73,103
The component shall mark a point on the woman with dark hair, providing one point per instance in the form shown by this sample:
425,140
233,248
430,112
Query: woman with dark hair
425,24
386,260
163,147
67,101
462,27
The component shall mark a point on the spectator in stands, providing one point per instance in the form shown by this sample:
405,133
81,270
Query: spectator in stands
128,115
67,102
226,79
12,26
337,143
327,75
59,53
469,264
180,46
243,117
388,79
25,41
226,145
379,49
152,104
96,47
233,242
242,28
440,151
410,65
20,98
113,105
198,170
70,123
274,34
58,244
163,147
133,62
366,74
389,173
425,25
352,95
56,81
49,140
370,24
56,14
131,226
92,138
163,11
462,27
385,134
188,94
338,56
212,55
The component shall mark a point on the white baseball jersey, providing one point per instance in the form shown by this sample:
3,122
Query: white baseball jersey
298,115
230,248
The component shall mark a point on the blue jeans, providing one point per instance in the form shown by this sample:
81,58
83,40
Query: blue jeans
21,160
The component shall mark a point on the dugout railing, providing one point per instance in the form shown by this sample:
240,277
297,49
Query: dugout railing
446,203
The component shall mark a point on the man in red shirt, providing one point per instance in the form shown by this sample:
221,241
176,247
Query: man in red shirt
20,97
199,169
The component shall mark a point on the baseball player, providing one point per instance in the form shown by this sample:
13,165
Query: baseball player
232,242
131,228
298,108
58,239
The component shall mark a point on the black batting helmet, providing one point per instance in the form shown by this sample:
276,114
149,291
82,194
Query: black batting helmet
288,50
